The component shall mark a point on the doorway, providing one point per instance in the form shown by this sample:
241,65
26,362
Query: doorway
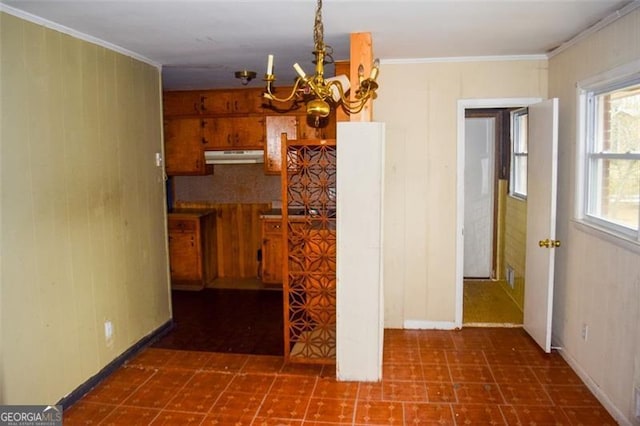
486,284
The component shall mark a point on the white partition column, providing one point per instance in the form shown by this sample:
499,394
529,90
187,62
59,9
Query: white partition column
360,313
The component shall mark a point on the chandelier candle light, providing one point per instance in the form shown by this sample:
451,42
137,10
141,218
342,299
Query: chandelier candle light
322,94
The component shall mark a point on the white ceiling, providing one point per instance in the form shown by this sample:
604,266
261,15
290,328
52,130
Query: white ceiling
201,43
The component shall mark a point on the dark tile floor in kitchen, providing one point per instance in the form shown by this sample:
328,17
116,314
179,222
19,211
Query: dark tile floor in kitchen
476,376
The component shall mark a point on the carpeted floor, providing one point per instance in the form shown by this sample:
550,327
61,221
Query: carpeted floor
227,320
485,302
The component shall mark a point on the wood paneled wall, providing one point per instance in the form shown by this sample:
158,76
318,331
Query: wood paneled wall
239,236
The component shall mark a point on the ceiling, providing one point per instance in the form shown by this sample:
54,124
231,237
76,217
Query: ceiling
201,43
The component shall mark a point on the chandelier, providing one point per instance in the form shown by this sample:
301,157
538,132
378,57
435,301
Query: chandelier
320,94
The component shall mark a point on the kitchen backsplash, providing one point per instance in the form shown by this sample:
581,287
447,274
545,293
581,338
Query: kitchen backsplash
232,183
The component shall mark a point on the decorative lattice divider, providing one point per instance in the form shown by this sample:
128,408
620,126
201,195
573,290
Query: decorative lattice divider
309,216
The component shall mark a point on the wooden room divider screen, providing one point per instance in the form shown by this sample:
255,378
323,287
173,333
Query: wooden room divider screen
309,219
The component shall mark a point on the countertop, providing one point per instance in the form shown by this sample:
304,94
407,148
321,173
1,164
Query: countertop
190,212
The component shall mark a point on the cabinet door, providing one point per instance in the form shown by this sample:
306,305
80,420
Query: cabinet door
272,246
180,103
226,102
184,255
248,132
183,147
218,133
275,126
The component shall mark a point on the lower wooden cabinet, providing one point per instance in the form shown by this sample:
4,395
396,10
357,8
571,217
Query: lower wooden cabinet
272,251
192,255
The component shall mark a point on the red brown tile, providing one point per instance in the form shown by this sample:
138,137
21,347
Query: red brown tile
150,397
401,356
255,384
195,401
477,414
407,372
465,357
293,386
436,373
188,360
470,373
432,356
130,416
312,370
234,409
152,357
330,388
368,391
129,376
513,374
178,418
261,421
284,407
533,415
112,394
330,410
170,378
428,414
86,413
525,394
589,416
574,396
404,391
556,376
440,392
379,413
478,393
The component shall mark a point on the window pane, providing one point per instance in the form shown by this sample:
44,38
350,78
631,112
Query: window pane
617,121
521,144
615,191
520,174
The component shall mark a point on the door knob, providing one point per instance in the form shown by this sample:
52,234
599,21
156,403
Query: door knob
549,243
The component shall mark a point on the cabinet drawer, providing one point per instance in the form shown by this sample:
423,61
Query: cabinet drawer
182,225
273,227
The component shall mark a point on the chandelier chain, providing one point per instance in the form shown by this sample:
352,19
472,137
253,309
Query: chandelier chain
318,28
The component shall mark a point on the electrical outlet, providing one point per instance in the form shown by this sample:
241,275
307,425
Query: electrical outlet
511,277
158,159
637,391
585,331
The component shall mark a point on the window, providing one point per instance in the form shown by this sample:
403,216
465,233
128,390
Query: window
612,156
519,148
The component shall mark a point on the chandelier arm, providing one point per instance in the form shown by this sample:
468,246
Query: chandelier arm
294,92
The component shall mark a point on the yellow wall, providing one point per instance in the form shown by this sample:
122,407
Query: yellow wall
515,246
418,103
83,223
597,280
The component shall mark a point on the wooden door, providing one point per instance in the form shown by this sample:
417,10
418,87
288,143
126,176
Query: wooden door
542,172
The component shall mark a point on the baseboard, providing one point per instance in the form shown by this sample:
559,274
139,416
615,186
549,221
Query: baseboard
594,388
429,325
85,387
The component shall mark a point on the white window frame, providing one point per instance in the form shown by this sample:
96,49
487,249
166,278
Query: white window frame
513,171
624,76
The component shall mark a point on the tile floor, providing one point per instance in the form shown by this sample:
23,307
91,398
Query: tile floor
476,376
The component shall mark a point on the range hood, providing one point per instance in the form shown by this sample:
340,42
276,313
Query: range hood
234,157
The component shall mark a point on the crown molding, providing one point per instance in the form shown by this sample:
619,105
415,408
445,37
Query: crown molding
630,7
496,58
76,34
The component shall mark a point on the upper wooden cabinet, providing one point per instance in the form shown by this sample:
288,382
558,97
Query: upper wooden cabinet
232,101
181,103
183,140
276,125
222,133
